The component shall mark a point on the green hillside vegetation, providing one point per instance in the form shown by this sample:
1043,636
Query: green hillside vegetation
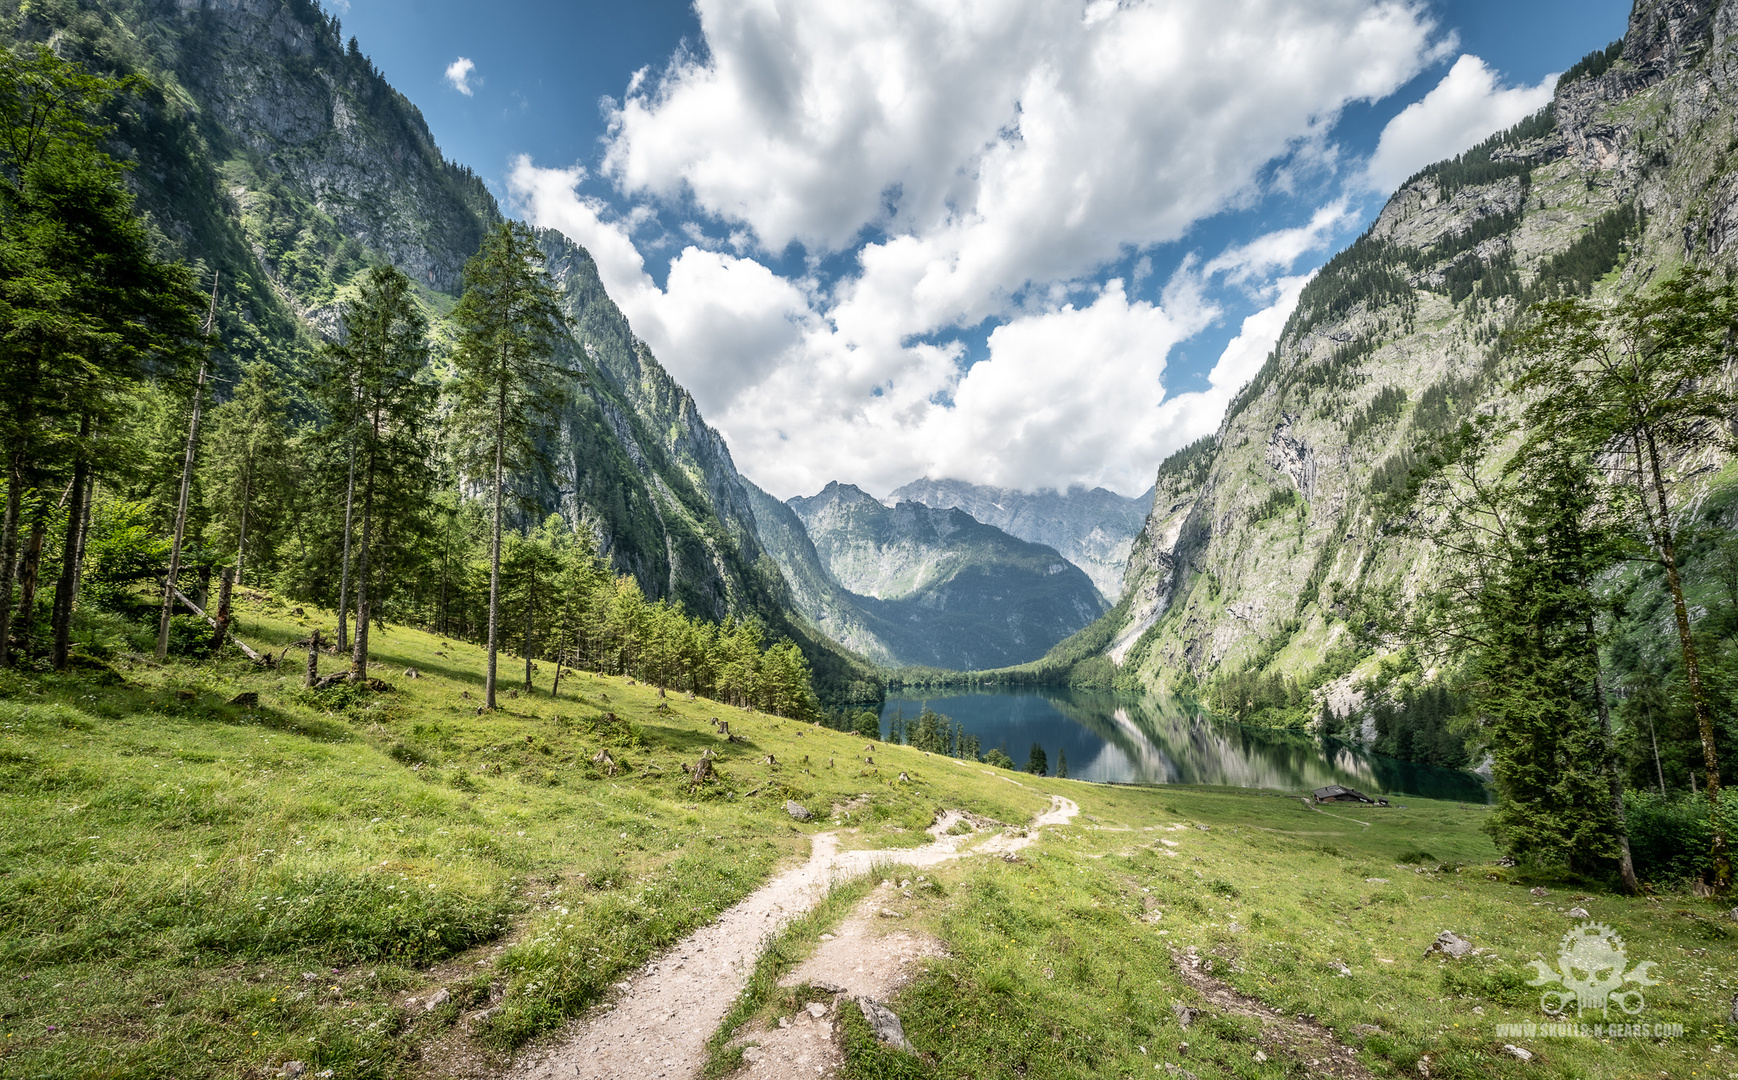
231,883
269,152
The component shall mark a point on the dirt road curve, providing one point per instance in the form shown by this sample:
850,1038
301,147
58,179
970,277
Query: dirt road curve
659,1025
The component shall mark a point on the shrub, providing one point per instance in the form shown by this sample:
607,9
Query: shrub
1669,836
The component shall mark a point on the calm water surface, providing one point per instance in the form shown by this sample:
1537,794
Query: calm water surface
1117,738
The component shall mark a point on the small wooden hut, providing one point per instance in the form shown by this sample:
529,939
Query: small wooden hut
1336,793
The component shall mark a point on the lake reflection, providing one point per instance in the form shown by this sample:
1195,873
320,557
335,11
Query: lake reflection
1115,738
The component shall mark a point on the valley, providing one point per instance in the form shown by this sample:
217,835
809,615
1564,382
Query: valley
400,677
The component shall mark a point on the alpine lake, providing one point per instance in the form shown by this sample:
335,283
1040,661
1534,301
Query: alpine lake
1121,739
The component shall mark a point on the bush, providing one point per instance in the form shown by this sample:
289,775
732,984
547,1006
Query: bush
999,760
1669,837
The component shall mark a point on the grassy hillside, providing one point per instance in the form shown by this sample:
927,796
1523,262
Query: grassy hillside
193,885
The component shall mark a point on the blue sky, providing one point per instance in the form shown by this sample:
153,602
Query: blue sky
1035,245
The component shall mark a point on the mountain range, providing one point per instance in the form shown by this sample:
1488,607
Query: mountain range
912,585
1091,527
1264,546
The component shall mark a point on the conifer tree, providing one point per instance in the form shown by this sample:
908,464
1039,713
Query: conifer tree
510,326
86,310
246,477
1639,382
1036,762
369,380
1525,545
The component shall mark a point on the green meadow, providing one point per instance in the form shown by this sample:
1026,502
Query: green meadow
207,870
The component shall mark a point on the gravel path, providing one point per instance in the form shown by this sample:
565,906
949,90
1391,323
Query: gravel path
659,1025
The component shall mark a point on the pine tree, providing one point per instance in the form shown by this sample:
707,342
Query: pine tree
1641,383
379,406
246,482
1036,762
510,326
1061,763
1525,545
86,311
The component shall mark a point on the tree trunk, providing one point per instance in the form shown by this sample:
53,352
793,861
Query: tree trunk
65,590
220,631
495,545
1659,769
1692,667
446,563
359,656
241,538
9,552
27,593
1625,861
344,573
313,675
169,582
530,601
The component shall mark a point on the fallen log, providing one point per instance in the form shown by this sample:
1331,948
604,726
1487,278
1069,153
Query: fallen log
240,644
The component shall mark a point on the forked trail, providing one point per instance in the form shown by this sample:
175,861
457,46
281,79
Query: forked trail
659,1025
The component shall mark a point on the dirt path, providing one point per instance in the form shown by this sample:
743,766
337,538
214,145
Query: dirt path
659,1025
867,956
1312,1045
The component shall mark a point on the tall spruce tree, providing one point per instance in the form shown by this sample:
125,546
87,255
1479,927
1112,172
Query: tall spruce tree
510,328
1640,382
1525,543
87,311
369,380
246,465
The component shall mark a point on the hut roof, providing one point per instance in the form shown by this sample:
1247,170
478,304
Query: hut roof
1335,791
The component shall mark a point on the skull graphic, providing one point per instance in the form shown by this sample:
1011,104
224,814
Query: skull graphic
1590,969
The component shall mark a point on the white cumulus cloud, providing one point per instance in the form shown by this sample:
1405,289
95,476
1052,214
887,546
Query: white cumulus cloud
1464,109
969,162
459,75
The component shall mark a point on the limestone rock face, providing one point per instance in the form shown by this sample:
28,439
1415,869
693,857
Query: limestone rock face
1261,547
911,584
1093,529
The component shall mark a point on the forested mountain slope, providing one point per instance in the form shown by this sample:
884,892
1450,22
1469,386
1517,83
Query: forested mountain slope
934,588
1266,544
269,149
1092,528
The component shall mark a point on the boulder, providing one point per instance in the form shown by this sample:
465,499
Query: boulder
293,1069
437,999
797,810
1576,913
1450,944
888,1030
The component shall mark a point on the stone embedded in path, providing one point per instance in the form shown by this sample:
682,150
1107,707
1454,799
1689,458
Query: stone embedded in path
435,1001
888,1030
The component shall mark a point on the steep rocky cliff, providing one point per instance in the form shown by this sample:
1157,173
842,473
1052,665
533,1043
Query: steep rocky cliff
1261,543
269,149
936,587
1092,528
